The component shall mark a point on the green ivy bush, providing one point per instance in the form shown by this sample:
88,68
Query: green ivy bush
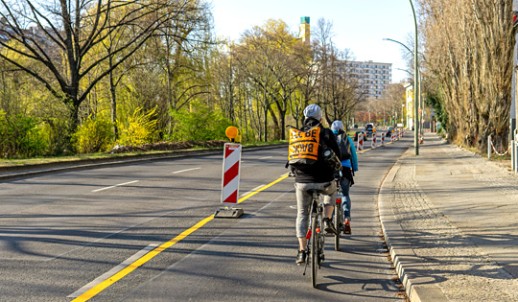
200,125
21,137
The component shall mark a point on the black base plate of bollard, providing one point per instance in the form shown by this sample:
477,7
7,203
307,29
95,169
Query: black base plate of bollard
227,212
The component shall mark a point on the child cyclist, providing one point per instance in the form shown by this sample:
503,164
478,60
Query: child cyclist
349,160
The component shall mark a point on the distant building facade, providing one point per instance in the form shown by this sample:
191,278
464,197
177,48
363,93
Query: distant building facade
373,77
409,106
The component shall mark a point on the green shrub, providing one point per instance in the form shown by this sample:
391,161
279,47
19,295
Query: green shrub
140,128
55,130
21,136
202,124
93,135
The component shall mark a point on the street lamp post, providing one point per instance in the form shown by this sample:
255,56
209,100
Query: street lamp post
417,102
396,41
416,83
416,80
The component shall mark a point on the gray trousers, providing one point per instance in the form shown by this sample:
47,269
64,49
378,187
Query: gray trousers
304,200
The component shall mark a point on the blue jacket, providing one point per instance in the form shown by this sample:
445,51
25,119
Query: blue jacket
353,161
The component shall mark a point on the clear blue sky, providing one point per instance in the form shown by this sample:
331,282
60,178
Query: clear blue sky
359,25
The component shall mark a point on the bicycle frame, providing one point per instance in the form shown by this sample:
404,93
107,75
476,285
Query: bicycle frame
315,236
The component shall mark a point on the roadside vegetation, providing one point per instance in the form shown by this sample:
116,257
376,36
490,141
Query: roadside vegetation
155,149
93,77
467,57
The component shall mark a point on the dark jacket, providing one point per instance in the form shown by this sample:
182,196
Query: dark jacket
320,171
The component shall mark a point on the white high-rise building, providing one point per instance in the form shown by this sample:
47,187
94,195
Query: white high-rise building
372,76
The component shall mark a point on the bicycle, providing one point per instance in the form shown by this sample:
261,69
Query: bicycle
315,235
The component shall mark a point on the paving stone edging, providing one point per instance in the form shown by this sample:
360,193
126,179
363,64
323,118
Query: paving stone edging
398,253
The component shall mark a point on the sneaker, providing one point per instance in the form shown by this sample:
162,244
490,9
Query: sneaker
301,257
329,227
347,226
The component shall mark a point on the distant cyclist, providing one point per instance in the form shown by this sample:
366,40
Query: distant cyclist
318,176
349,160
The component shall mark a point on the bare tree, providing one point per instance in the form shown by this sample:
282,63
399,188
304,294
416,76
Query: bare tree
270,57
337,90
391,103
469,59
53,41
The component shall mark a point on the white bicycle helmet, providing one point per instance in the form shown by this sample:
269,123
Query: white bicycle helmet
313,110
337,125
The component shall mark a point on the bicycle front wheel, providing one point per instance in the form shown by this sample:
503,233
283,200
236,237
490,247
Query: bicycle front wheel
315,253
338,221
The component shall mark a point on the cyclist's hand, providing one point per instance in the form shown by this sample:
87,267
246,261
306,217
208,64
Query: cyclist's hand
292,172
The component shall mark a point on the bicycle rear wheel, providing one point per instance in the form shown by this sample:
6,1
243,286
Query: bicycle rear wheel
315,253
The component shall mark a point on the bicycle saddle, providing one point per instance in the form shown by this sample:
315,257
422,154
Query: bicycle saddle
311,191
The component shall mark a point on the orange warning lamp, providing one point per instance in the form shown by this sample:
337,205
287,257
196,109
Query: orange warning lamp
232,133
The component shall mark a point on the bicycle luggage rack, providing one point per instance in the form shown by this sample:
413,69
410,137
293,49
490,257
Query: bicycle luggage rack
228,212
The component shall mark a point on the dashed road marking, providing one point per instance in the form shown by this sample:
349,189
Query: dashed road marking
186,170
118,185
108,281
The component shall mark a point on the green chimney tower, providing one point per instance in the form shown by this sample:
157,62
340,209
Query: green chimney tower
304,31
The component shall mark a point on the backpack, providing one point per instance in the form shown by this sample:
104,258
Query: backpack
304,146
306,149
345,147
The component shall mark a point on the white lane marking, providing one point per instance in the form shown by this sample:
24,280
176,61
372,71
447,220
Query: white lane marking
113,271
118,185
265,157
253,190
186,170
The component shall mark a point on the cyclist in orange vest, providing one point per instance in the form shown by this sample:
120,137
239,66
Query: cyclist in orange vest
316,176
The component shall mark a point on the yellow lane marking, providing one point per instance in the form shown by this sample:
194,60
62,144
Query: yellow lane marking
113,271
94,291
283,177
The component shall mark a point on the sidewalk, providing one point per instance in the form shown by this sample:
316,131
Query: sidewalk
450,219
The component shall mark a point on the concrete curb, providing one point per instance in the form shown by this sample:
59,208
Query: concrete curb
403,257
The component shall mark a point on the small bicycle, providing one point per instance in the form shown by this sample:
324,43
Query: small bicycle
315,235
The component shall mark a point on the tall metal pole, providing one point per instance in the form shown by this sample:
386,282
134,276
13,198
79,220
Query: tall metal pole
514,108
396,41
416,84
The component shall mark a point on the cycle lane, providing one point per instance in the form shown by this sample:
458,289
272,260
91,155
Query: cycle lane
368,279
254,260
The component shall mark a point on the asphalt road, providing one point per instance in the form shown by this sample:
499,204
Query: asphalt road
145,232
